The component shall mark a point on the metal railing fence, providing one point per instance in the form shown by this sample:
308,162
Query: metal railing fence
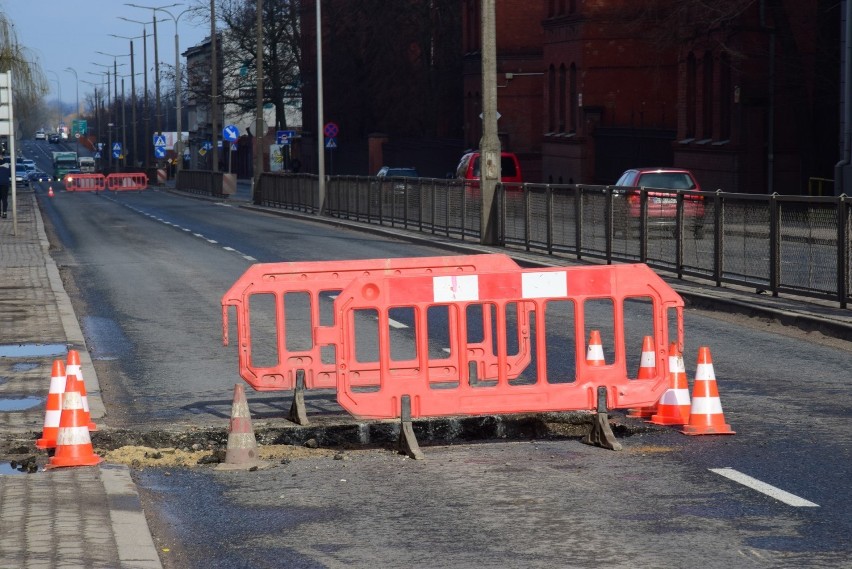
781,244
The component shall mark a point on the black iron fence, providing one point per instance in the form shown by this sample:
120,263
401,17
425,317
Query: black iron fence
780,244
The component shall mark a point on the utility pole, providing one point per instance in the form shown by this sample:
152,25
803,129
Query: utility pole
489,145
214,89
258,128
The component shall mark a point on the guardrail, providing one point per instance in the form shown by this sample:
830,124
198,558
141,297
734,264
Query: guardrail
778,244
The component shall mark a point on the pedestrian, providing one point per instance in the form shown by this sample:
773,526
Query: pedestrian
5,182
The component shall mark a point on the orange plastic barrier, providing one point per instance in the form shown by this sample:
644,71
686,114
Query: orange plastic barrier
127,181
274,286
84,182
545,387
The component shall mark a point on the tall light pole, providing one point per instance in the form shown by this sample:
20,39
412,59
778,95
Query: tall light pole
99,108
110,124
134,154
77,93
320,114
176,18
157,102
146,114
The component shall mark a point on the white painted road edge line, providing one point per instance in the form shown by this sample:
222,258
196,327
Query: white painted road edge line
768,489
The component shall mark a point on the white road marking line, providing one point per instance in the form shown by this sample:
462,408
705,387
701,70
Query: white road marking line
763,487
199,235
446,350
394,324
249,258
229,249
212,241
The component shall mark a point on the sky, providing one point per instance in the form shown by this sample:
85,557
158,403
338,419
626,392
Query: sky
69,33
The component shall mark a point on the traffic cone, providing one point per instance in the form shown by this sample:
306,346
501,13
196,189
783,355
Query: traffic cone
241,453
706,417
674,406
73,367
594,353
53,410
50,191
647,370
73,444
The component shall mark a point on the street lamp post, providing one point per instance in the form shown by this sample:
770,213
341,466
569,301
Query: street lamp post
110,99
77,94
176,18
146,114
134,154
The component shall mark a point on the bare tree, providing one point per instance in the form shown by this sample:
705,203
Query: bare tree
282,57
29,85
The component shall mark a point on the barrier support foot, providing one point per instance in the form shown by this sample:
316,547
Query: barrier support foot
601,433
407,441
298,414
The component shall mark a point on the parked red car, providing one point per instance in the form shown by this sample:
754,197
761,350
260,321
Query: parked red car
662,206
510,169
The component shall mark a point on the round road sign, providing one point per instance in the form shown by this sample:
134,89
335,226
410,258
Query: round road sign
331,130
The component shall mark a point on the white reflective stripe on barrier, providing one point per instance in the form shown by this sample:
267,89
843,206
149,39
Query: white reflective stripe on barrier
675,397
73,436
706,406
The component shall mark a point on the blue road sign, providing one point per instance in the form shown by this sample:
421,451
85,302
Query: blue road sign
160,151
284,136
159,141
230,133
97,155
116,147
207,145
331,142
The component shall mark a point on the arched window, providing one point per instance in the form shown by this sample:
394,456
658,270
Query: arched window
573,102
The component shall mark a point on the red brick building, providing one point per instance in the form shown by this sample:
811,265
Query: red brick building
746,95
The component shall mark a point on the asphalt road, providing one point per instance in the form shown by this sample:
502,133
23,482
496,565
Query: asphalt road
146,272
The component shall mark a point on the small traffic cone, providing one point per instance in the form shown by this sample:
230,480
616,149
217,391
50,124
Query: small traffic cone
674,406
53,411
73,367
594,353
706,417
73,444
647,370
50,191
241,453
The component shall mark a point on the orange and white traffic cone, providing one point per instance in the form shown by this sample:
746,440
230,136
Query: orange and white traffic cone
53,411
594,353
706,417
674,406
241,453
647,370
73,444
73,367
50,191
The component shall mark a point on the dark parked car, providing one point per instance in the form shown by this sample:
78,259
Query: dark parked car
53,138
510,169
662,206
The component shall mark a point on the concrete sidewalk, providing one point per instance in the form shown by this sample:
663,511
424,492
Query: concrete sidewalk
67,517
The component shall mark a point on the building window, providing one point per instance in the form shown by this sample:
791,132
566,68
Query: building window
551,99
563,94
726,93
690,96
574,104
707,103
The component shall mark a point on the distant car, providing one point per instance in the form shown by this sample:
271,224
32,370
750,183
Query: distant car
662,206
39,176
40,135
53,138
510,169
21,178
389,172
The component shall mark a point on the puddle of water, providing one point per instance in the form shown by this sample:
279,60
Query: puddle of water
19,404
32,350
14,468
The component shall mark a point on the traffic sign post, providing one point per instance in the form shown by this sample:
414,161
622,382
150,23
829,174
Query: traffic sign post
116,150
